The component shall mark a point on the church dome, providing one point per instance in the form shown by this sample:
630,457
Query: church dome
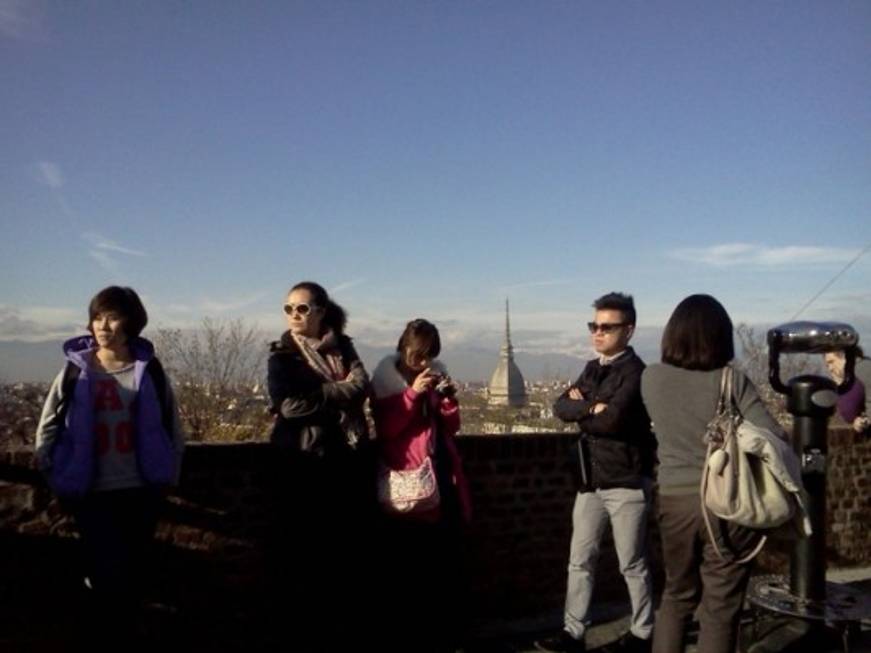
507,387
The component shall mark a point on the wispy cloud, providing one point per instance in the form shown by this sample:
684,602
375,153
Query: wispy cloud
536,284
50,174
347,285
843,307
36,323
102,243
104,260
20,19
731,254
102,248
209,306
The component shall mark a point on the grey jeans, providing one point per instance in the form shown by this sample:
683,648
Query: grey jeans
627,511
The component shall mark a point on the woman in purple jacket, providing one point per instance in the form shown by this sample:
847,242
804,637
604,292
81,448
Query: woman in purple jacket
108,443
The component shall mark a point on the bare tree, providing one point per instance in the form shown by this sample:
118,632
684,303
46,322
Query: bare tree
754,362
20,408
219,375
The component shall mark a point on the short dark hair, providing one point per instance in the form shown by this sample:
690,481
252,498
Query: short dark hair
422,337
617,301
121,300
698,335
335,317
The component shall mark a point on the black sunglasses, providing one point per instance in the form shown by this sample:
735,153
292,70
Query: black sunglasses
605,327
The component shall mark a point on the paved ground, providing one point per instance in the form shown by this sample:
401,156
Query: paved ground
613,622
42,599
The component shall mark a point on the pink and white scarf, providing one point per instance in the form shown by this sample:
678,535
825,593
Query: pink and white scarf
329,364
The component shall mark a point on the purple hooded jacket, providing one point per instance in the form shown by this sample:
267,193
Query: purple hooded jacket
73,457
851,404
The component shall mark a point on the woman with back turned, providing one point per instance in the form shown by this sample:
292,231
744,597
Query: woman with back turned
681,396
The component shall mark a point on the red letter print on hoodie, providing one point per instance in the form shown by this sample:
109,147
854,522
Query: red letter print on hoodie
116,460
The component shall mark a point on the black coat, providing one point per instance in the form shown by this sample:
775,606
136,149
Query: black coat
617,444
315,416
322,490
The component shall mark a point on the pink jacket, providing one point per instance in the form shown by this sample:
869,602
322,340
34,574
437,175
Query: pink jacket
403,430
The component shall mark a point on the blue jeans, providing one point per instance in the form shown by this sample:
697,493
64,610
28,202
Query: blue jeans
627,511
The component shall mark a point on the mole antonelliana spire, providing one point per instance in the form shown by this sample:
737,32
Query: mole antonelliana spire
506,385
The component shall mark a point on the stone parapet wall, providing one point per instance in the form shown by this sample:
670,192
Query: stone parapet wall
518,545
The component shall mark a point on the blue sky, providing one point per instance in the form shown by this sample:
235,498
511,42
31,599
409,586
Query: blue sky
432,158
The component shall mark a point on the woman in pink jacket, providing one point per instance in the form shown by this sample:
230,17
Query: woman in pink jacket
422,490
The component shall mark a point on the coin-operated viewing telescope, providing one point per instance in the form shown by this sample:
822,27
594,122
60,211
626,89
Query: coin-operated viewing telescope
806,603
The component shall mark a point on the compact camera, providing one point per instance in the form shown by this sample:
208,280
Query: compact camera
444,386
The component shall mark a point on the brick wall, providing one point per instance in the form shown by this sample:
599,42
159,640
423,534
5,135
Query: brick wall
518,545
523,495
849,497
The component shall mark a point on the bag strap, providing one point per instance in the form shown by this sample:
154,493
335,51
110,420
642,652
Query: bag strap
728,394
158,378
436,443
713,539
67,390
725,390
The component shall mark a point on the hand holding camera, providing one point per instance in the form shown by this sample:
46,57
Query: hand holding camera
441,383
424,381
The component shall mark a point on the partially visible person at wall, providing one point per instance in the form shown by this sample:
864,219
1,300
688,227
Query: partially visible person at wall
323,508
109,443
681,395
423,493
854,406
614,459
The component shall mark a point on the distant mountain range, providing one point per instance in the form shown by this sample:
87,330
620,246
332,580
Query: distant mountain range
471,363
41,361
29,361
467,361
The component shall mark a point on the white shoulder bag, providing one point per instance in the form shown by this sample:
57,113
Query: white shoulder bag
738,486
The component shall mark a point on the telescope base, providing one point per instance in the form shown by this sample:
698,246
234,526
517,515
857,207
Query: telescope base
803,624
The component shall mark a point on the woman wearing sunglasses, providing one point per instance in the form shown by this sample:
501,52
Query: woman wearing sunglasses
421,489
321,476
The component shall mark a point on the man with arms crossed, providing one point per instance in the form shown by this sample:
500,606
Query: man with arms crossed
615,455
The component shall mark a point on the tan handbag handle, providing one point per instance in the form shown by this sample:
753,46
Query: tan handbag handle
725,391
